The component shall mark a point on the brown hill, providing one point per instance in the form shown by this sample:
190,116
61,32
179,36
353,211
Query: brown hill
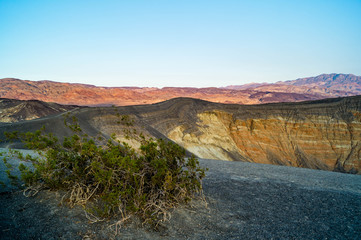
12,110
323,86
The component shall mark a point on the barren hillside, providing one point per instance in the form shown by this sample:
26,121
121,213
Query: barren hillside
12,110
323,134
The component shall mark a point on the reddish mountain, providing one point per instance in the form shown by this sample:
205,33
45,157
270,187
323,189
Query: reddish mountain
323,86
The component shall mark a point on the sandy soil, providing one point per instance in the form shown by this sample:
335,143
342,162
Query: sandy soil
245,201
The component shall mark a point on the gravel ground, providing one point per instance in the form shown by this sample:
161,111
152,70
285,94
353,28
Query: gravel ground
245,201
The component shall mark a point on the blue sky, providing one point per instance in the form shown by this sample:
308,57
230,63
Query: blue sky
158,43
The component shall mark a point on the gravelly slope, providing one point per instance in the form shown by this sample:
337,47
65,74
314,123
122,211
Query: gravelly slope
245,201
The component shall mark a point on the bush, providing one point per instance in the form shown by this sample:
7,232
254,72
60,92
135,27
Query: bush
112,179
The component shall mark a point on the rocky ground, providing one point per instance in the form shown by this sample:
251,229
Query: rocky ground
245,201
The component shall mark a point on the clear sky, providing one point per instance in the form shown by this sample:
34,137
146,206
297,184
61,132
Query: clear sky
195,43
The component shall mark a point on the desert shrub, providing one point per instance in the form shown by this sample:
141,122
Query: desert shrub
112,179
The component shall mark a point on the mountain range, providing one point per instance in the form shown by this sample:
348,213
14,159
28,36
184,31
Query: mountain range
303,89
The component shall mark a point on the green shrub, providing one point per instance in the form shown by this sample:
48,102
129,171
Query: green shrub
112,179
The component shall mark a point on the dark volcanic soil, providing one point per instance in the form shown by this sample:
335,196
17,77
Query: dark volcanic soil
245,201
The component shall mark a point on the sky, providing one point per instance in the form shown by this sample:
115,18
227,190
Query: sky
178,43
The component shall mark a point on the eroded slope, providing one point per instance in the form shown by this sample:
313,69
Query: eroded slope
319,135
323,134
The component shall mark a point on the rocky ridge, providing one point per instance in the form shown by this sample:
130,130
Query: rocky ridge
320,87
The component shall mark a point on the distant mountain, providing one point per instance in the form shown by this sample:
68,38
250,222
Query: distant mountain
330,85
314,88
